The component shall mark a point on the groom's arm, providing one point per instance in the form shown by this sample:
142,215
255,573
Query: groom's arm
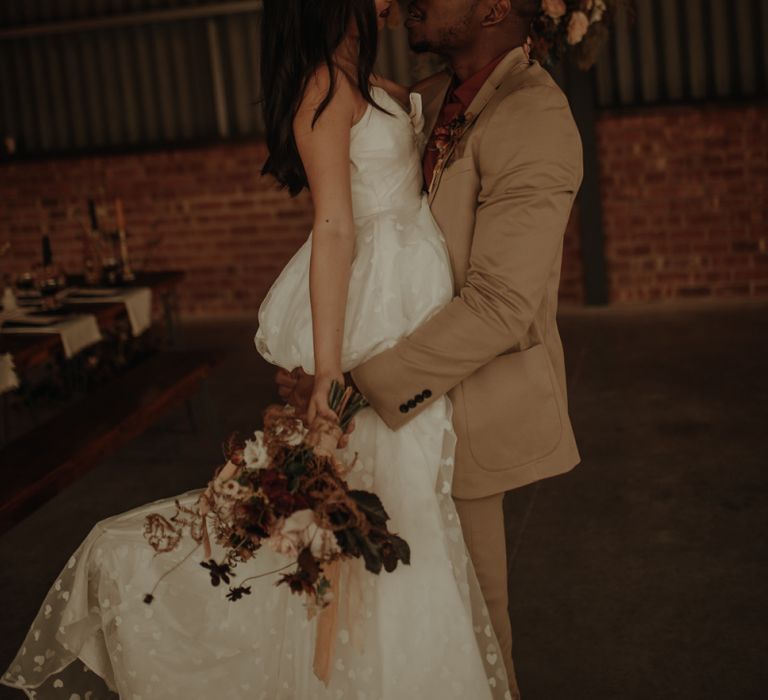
530,163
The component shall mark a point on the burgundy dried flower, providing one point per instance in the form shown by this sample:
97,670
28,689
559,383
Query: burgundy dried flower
298,582
219,572
275,486
238,592
257,516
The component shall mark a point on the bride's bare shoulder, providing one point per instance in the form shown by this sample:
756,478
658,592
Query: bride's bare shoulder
319,84
343,101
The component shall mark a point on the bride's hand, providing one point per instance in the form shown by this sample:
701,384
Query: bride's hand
296,387
318,402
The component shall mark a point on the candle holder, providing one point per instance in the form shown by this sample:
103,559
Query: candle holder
110,271
92,256
126,273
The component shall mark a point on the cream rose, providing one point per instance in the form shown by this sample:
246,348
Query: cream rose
553,8
291,537
299,531
322,542
255,453
598,10
295,436
577,27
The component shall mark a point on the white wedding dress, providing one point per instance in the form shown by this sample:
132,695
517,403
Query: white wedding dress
419,633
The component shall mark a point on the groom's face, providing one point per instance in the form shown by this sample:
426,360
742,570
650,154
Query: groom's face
443,26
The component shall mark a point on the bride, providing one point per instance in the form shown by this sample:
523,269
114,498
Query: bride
373,269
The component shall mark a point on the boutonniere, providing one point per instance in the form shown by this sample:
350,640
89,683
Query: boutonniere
446,138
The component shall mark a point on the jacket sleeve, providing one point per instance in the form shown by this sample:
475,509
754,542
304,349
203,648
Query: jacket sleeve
530,165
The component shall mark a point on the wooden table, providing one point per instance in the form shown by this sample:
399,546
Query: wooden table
74,441
34,349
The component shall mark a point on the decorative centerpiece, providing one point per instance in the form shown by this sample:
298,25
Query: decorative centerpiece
575,27
105,252
126,274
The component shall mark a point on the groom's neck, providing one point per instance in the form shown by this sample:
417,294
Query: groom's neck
487,45
466,64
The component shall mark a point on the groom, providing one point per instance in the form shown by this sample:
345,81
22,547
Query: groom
502,168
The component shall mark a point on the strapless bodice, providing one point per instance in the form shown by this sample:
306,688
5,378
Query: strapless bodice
401,272
385,154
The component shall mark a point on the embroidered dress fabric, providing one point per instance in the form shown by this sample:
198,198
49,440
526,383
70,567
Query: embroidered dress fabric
418,633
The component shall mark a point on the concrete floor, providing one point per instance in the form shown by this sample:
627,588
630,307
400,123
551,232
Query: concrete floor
637,576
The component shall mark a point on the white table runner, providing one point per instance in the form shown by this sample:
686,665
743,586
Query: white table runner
137,300
8,378
77,332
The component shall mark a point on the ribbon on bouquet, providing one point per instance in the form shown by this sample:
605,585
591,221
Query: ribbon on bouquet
349,591
327,627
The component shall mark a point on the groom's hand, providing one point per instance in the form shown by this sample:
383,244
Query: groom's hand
295,388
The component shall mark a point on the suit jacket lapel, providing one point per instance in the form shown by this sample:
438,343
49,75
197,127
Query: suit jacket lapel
514,60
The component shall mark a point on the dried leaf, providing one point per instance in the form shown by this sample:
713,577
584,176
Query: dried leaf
372,506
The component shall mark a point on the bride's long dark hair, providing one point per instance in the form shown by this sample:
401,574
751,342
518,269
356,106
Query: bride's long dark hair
297,37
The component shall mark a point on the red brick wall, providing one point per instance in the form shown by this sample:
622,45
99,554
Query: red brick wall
206,211
684,197
685,202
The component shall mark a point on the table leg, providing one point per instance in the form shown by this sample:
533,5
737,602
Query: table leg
170,311
191,416
4,422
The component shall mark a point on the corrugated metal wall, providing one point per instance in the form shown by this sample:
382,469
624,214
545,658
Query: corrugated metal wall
686,50
159,79
89,75
97,74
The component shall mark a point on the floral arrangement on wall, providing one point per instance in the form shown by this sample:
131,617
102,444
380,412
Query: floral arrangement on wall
578,28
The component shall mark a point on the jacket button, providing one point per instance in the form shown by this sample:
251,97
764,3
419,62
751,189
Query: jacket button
412,403
419,398
426,393
404,408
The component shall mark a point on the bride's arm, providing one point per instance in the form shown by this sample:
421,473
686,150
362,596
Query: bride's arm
324,151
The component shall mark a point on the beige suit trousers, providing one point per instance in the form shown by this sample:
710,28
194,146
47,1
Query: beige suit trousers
482,522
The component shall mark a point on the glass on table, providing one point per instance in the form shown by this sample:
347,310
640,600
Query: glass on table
110,269
26,281
50,282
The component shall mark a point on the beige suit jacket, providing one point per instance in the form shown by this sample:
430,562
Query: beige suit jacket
503,203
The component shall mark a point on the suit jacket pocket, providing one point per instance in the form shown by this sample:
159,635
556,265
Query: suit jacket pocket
512,412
